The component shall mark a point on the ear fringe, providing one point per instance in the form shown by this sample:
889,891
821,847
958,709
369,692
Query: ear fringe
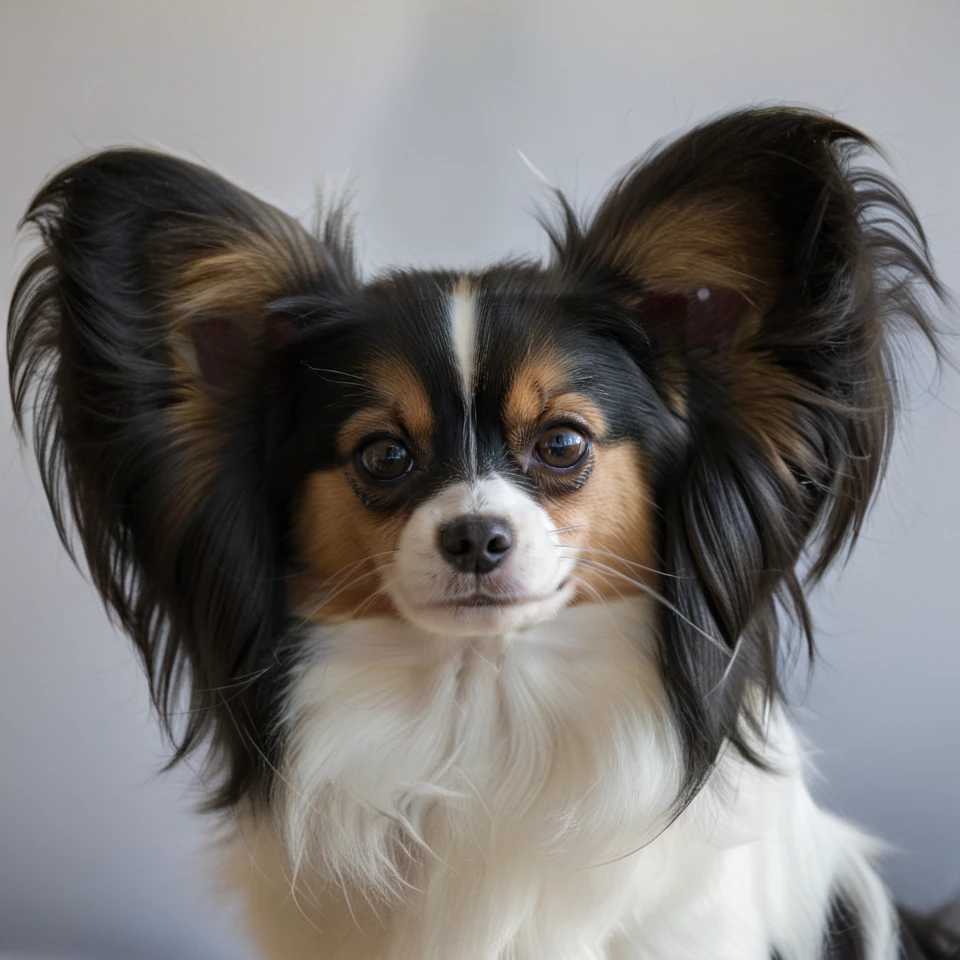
163,482
788,422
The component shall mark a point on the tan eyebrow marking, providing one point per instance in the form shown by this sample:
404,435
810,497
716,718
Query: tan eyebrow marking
362,423
579,406
401,389
542,377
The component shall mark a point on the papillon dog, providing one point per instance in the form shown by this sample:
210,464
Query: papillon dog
475,589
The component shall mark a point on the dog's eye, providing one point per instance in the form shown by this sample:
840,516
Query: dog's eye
561,447
386,459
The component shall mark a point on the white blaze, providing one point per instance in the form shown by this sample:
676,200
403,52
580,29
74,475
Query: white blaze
463,334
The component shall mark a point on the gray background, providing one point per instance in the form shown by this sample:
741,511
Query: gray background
426,104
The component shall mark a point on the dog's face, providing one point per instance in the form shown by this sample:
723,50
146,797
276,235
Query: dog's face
250,438
482,457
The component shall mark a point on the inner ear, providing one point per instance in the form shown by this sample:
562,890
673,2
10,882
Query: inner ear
707,317
696,269
223,353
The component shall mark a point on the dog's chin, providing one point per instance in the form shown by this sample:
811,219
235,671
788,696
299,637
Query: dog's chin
484,616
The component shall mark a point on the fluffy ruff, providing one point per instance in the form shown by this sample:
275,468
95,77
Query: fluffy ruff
448,798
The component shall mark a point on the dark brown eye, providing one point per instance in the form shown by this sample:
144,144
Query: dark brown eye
561,447
385,459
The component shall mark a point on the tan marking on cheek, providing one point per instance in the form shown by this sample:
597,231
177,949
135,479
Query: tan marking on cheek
611,521
541,378
345,550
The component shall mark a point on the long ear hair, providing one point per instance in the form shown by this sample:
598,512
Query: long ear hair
762,278
142,332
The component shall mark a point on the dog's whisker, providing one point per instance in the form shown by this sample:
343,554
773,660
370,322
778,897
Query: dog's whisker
602,569
621,559
330,597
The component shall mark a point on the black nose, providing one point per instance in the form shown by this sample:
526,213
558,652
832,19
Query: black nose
476,544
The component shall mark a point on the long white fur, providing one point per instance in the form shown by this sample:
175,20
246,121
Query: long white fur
511,804
508,795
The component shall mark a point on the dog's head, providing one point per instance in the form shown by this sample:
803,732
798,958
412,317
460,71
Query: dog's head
248,437
458,443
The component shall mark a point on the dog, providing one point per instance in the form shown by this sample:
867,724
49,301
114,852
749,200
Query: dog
473,588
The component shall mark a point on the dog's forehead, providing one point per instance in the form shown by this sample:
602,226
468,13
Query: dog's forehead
468,366
463,363
468,336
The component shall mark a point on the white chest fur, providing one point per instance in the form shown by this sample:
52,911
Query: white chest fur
511,800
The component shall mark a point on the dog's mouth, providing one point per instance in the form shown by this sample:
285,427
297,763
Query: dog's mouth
495,600
482,612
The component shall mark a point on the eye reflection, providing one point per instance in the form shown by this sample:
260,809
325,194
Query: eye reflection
385,459
561,447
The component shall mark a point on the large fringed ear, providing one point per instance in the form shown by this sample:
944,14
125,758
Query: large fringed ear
761,277
142,331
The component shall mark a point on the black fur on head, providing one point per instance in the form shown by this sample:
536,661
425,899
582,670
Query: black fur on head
751,271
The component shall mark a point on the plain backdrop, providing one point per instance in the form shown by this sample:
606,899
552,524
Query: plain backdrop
424,106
